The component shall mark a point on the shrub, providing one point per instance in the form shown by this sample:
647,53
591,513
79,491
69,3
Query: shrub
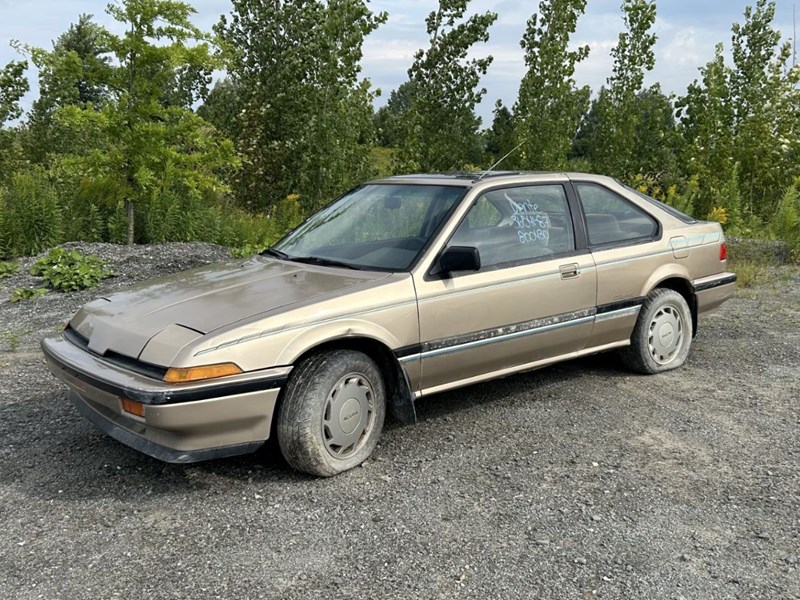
69,270
7,269
785,224
27,294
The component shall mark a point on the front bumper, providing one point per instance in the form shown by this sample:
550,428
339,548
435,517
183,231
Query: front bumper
182,422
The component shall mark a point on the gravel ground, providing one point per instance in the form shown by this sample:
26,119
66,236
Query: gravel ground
576,481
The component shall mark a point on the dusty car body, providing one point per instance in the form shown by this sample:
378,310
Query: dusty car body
405,287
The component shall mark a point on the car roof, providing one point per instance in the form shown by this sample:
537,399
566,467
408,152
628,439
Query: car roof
470,178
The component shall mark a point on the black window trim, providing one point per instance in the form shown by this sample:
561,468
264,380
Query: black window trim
659,232
578,232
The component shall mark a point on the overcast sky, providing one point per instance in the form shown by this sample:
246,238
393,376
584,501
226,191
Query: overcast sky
687,32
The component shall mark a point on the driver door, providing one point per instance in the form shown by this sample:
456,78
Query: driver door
532,299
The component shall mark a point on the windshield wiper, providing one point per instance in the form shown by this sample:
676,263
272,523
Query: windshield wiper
275,253
325,262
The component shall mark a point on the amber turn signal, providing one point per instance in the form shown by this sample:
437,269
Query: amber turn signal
174,375
135,408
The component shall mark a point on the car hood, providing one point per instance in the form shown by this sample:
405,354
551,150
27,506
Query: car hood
193,303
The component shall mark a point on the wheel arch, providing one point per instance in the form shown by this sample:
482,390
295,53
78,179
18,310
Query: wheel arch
685,288
399,396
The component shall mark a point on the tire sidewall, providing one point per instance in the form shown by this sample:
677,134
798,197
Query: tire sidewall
302,443
660,298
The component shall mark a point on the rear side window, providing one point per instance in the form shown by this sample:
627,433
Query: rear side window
610,219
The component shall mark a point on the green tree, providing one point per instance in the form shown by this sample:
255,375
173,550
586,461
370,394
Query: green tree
765,109
549,108
706,121
501,137
223,106
741,125
74,72
13,86
389,119
149,147
657,141
613,147
306,118
440,130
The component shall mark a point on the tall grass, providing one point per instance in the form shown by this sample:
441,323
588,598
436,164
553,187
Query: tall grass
30,214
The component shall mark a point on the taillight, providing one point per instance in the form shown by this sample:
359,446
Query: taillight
723,251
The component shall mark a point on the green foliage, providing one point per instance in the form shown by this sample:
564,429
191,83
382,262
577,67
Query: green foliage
25,294
440,129
383,161
69,270
390,119
743,121
223,106
501,137
612,148
7,269
13,86
306,119
150,143
550,104
707,127
30,215
766,103
785,224
74,72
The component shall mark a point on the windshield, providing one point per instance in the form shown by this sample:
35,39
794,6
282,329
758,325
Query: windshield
376,226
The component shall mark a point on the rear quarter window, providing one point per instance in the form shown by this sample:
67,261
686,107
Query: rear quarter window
611,219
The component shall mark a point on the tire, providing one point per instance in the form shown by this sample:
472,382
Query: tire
662,335
332,412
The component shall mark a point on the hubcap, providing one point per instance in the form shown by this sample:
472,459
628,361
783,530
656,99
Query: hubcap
665,337
349,415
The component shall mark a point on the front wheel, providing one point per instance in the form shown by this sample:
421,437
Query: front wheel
662,335
332,412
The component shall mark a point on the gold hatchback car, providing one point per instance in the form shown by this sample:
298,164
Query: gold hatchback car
402,288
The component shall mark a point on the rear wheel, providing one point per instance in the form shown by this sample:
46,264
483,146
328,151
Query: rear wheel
662,335
332,412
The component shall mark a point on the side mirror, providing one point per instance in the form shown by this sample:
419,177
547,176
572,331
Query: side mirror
459,258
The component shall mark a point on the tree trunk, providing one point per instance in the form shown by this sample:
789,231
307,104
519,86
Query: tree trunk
130,213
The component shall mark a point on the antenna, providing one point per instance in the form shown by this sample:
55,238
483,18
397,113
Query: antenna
794,37
490,169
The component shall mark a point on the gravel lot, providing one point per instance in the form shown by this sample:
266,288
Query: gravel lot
576,481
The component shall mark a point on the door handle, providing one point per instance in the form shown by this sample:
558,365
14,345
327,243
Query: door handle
569,271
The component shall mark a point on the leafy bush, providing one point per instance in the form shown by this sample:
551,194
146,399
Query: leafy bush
27,294
785,224
69,270
7,269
